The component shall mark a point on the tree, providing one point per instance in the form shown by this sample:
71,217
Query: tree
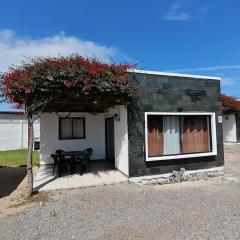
230,104
54,84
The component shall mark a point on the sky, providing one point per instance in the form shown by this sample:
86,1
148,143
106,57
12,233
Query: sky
186,36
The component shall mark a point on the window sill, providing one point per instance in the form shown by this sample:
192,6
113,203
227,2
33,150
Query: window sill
190,155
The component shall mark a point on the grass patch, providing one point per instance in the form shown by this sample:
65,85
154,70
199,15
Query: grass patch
17,158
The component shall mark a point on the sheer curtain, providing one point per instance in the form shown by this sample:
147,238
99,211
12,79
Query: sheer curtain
171,135
78,128
65,128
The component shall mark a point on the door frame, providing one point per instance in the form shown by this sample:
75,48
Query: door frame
106,148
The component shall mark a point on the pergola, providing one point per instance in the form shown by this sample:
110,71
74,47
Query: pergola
65,84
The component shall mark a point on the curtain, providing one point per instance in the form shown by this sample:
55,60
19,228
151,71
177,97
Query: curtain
155,135
195,136
168,135
65,128
78,128
171,135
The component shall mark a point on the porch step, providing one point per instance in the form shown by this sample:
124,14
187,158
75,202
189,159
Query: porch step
44,182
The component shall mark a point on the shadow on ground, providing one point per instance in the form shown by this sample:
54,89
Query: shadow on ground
10,178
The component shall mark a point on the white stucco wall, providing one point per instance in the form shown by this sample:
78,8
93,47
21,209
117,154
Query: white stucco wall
95,136
229,128
94,129
13,131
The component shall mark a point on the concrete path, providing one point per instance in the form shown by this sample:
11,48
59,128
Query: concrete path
102,177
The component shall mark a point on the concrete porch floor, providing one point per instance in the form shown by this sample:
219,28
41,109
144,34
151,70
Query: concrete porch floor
102,173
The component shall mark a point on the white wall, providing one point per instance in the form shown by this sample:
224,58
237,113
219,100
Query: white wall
13,131
120,138
229,128
95,136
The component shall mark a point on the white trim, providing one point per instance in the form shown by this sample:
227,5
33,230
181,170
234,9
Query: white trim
190,155
174,74
180,156
180,113
208,134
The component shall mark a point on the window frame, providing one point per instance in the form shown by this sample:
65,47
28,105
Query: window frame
71,138
213,134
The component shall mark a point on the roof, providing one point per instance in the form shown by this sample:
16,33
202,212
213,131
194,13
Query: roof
11,112
170,74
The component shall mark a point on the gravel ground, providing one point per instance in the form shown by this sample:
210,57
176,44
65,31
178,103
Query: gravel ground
191,210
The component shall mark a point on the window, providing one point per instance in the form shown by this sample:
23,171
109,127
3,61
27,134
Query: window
36,145
179,135
71,127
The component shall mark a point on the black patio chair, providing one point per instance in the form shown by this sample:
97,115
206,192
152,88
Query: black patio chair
61,161
89,151
59,152
86,158
56,170
83,161
78,163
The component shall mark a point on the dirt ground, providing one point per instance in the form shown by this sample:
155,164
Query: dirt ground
13,181
232,158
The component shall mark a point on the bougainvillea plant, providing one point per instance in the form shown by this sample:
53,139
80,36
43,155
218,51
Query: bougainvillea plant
37,82
64,84
230,104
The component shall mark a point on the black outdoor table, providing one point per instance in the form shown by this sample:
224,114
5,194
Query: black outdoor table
74,157
74,154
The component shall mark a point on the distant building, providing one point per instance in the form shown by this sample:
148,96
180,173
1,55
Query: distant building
231,127
231,119
14,131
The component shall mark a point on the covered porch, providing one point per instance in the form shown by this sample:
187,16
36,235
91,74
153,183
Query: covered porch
72,87
106,133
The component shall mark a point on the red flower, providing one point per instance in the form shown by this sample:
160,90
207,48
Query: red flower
85,75
69,83
230,103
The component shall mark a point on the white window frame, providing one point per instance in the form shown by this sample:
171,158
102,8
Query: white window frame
189,155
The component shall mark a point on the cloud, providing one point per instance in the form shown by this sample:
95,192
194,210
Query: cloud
213,68
176,13
229,73
227,81
13,49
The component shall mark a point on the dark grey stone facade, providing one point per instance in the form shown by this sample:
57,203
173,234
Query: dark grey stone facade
170,94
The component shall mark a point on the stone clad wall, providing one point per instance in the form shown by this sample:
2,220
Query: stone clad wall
170,94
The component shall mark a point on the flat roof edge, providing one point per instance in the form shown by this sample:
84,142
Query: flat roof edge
11,112
170,74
